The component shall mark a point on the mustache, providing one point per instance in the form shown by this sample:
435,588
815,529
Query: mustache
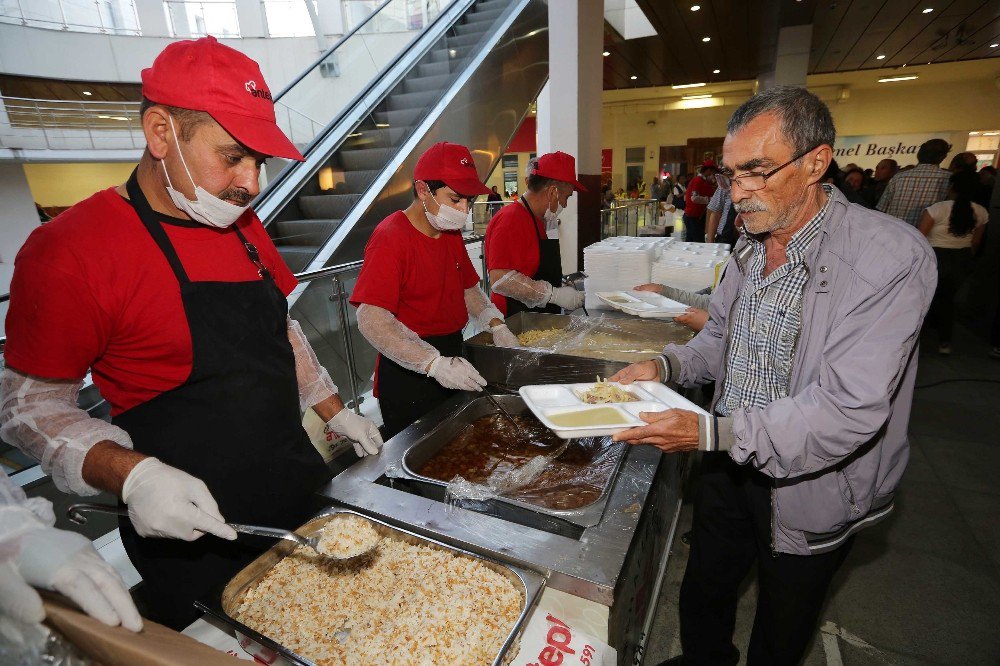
236,194
749,206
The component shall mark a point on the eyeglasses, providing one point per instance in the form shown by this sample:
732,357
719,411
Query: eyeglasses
751,182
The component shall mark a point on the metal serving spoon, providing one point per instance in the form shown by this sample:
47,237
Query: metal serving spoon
75,513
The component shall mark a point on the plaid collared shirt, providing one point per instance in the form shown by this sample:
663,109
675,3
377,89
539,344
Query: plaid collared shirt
909,193
767,322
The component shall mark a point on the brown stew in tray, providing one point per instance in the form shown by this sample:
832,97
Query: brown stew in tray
490,444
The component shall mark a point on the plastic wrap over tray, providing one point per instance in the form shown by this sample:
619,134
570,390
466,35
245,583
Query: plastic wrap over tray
567,348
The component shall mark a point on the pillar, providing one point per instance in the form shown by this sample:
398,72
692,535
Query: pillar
791,63
569,116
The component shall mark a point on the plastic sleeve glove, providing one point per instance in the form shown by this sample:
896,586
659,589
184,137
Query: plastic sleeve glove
394,340
520,287
67,563
502,337
163,501
480,307
314,381
40,417
567,297
363,432
455,372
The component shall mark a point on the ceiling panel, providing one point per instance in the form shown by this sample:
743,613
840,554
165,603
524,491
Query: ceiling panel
847,36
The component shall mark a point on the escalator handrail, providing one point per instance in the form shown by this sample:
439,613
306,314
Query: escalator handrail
326,54
349,109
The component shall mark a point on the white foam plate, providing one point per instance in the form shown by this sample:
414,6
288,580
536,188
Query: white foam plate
546,400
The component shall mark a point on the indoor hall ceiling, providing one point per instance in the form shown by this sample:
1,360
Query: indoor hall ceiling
38,88
847,35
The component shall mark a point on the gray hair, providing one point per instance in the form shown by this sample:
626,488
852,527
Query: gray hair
805,120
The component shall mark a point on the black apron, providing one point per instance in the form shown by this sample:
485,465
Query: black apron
404,395
549,269
234,423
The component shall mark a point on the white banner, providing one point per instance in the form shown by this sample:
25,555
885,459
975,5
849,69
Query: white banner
868,150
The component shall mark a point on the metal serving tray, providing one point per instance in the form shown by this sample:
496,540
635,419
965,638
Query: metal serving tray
511,368
223,605
420,452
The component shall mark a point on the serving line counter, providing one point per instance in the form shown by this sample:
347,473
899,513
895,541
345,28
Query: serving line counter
596,561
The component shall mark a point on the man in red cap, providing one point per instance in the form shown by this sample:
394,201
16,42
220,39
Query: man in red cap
417,290
524,263
696,198
169,291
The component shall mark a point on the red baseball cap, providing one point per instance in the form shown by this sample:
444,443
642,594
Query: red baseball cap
204,75
709,164
452,164
559,166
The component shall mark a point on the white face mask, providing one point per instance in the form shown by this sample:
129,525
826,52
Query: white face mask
206,208
446,219
552,217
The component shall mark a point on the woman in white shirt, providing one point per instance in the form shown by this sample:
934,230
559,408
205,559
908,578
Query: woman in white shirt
954,228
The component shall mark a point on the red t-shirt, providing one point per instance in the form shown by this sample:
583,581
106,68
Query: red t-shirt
702,187
512,244
91,290
419,279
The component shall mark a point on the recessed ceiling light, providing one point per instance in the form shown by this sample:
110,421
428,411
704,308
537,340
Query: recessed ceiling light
706,39
606,54
87,93
993,46
695,8
633,77
928,10
893,79
705,96
880,56
688,85
990,133
716,71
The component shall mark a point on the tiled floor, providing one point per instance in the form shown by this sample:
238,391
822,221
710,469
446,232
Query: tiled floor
924,586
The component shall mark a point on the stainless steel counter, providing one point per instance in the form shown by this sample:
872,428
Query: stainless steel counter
615,562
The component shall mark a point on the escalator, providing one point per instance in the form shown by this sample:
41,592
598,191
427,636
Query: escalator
469,77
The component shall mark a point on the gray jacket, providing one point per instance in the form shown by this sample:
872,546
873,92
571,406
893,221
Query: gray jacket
836,447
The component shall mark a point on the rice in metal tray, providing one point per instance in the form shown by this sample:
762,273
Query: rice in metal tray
406,604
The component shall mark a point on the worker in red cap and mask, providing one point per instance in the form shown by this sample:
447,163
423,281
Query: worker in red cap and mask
696,199
417,290
524,263
169,291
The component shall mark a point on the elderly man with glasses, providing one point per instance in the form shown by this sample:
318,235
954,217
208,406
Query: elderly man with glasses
811,342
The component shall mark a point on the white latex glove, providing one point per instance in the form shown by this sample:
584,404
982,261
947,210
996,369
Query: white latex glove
566,297
66,562
455,372
17,600
163,501
361,431
502,336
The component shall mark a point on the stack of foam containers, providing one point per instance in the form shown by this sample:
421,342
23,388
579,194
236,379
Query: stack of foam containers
618,264
689,266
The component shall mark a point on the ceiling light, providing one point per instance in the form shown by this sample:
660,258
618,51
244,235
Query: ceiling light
881,56
633,77
716,71
973,133
87,93
928,10
990,133
893,79
705,96
993,46
606,54
706,39
695,8
381,124
688,85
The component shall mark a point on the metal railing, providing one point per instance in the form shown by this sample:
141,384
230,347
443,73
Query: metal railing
114,17
67,124
483,212
626,218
